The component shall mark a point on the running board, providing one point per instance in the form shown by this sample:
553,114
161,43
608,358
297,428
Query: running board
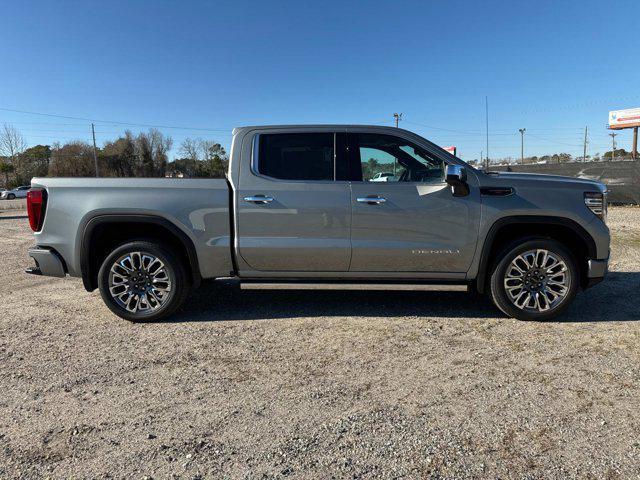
428,287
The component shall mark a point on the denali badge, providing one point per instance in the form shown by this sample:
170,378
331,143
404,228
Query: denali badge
436,252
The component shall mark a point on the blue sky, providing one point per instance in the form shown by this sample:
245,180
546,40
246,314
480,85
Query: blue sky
549,66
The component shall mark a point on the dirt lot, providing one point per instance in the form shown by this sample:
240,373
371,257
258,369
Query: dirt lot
16,204
318,385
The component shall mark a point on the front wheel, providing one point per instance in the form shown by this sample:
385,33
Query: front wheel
535,280
142,281
11,196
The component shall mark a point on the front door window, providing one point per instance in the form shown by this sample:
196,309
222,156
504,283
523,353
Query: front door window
386,158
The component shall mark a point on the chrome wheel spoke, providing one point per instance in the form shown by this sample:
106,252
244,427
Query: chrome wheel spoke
537,280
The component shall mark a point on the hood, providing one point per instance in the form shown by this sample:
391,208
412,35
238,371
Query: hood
527,177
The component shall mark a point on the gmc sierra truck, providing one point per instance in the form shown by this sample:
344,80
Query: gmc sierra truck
300,208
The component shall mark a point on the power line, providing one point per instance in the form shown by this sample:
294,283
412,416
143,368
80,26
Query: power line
553,141
113,122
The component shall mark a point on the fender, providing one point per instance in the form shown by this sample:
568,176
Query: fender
527,220
87,277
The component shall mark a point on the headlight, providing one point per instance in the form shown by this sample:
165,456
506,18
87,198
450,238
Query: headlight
597,203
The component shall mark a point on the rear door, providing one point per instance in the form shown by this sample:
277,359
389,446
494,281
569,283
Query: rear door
410,222
294,204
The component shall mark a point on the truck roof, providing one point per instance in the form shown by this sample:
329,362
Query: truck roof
319,125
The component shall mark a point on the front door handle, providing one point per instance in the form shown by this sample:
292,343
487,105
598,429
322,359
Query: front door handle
258,199
372,200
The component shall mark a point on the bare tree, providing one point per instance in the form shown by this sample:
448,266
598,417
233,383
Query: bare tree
12,143
160,146
190,150
152,151
207,158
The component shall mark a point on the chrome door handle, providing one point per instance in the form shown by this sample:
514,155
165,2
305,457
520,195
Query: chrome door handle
371,200
258,199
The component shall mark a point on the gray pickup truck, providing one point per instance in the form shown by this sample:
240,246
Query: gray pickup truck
299,210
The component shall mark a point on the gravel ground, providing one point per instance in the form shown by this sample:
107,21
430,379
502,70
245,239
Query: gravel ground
261,384
17,204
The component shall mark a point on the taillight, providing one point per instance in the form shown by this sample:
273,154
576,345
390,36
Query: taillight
36,203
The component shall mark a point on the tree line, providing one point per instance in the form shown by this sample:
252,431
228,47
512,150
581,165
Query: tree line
145,154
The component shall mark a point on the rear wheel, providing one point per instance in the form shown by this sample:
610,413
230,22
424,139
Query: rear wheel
535,280
142,281
11,196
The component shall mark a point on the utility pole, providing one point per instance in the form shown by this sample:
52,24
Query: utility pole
584,155
522,130
634,152
398,117
613,144
95,154
486,109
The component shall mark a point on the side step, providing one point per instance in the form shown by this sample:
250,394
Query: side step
428,287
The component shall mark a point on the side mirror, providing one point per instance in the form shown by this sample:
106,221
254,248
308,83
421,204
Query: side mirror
456,177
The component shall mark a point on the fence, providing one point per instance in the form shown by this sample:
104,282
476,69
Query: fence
622,177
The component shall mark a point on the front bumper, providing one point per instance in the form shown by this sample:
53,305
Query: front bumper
48,262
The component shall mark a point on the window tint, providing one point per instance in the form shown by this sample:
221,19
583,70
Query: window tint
297,156
385,158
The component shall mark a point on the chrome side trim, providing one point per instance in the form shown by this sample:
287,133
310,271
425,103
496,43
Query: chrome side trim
354,286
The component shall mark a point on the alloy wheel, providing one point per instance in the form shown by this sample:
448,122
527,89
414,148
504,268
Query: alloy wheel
140,282
537,280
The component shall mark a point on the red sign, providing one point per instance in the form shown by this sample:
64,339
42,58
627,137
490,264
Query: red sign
452,150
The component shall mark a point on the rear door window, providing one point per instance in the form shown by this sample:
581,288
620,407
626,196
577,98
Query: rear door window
297,156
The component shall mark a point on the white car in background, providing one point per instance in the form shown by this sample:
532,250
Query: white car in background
18,192
384,177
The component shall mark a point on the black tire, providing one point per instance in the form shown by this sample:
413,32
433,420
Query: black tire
11,196
497,283
174,270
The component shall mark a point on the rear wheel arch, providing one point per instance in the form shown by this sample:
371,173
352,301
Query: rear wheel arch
102,233
505,231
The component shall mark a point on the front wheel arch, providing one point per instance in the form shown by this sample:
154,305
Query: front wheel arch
509,229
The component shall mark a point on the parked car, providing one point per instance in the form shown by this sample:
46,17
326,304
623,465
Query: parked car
19,192
384,177
295,213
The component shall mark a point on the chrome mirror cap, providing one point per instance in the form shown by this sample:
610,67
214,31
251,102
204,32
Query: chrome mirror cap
455,174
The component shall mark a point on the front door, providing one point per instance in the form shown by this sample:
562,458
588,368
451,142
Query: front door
405,218
294,212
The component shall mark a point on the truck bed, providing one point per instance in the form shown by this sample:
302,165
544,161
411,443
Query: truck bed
198,207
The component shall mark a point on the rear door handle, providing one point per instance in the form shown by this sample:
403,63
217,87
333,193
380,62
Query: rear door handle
372,200
258,199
